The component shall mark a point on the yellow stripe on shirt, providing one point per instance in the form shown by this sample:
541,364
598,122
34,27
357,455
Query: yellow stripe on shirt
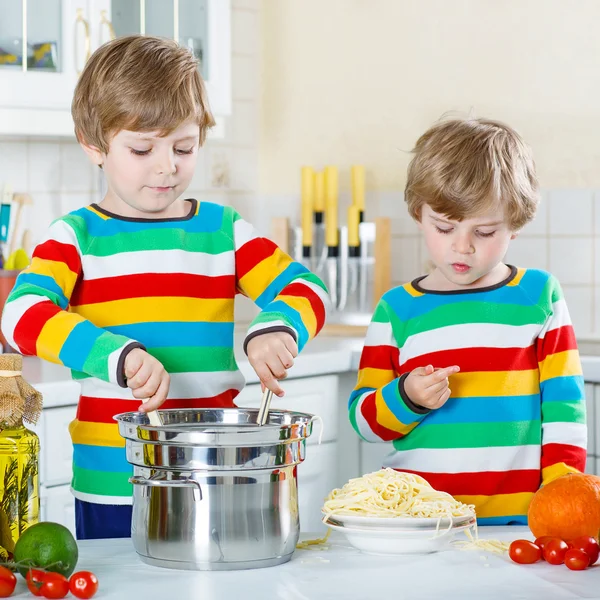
494,383
258,279
96,434
54,334
145,310
499,505
560,364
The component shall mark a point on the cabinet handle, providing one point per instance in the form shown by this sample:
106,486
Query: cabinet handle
105,22
87,43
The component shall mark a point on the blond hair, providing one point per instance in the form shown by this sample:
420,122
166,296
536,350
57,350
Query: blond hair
138,83
464,167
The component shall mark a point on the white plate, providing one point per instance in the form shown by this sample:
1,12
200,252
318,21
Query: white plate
356,521
399,541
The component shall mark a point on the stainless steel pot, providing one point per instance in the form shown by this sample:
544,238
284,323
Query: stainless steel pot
212,490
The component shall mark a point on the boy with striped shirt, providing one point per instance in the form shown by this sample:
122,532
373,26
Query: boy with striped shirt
472,371
136,294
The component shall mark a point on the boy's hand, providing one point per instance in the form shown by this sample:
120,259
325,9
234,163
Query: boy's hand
428,387
271,355
147,378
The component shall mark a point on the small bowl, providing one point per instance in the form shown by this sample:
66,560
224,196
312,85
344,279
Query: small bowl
394,540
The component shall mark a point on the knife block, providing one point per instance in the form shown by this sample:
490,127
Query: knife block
361,281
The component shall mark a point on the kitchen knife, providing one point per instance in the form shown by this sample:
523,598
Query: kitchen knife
320,249
308,196
357,174
331,231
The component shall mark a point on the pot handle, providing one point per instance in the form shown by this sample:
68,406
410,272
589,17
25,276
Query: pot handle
139,480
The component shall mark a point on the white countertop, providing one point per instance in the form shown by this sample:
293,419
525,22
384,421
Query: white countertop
340,572
323,355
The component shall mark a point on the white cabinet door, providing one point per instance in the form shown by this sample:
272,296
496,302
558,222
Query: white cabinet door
60,400
314,395
55,36
202,26
56,452
57,504
316,478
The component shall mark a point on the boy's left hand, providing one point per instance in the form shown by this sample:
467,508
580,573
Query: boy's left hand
271,355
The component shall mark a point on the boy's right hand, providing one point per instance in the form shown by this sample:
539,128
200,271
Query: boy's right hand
147,378
428,387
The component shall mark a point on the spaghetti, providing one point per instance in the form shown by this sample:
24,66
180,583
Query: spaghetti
390,494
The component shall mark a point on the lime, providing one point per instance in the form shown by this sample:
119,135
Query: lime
49,546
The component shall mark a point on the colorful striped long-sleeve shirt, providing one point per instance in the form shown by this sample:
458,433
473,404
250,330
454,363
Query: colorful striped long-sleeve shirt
516,415
100,284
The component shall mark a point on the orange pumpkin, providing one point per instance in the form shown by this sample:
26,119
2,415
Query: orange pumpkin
567,507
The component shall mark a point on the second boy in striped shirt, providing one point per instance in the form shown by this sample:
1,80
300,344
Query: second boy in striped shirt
473,371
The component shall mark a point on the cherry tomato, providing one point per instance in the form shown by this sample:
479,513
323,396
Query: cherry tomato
34,580
8,581
524,552
54,585
541,543
587,544
555,550
83,584
577,560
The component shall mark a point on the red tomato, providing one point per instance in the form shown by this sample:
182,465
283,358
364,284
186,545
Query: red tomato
524,552
587,544
83,584
54,585
8,581
577,560
34,580
555,550
541,543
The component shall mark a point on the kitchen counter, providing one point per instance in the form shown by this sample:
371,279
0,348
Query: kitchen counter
340,572
322,356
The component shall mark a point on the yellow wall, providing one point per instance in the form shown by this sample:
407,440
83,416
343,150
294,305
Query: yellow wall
348,81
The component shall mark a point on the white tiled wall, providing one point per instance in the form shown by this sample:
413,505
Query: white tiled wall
564,238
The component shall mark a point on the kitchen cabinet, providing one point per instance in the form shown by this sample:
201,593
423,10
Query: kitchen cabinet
56,37
317,474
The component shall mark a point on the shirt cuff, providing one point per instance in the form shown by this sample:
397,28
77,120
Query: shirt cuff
420,410
274,329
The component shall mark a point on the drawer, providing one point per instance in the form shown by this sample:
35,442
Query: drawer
314,395
591,410
56,449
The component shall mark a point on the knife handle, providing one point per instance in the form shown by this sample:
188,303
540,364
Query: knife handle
308,197
357,175
331,206
319,192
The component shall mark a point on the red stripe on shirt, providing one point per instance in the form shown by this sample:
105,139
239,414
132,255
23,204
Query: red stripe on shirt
573,456
379,357
31,324
556,340
181,285
486,483
102,410
251,254
57,251
300,290
477,359
369,412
